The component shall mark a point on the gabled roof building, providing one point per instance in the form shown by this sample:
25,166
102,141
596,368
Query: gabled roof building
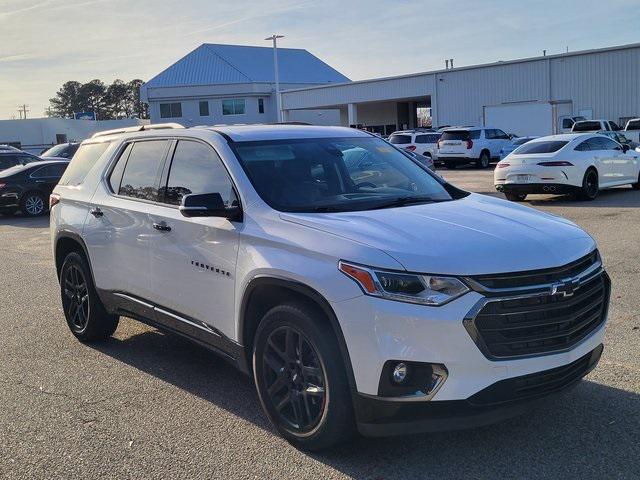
225,84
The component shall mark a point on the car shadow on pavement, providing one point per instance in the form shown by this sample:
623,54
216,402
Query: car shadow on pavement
22,221
592,431
621,197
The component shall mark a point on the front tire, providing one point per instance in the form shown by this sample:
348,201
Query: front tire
300,378
590,185
86,316
515,197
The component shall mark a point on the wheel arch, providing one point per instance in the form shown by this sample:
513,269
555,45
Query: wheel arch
263,293
67,242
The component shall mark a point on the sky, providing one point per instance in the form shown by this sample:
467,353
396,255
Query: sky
44,43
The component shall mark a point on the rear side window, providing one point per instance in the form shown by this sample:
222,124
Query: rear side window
633,125
7,161
427,138
140,177
49,171
400,139
85,158
196,168
540,147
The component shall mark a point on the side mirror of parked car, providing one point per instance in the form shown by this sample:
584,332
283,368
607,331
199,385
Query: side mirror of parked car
208,205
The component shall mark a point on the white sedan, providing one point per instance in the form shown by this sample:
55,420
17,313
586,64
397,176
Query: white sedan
579,164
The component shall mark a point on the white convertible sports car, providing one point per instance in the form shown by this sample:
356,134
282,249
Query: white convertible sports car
578,164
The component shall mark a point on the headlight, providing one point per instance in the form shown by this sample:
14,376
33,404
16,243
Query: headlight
405,287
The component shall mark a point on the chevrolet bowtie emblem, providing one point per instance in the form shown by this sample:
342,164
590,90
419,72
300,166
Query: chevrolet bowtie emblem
566,288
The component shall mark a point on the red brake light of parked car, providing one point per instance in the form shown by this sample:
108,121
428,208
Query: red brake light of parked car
469,144
410,148
54,199
503,165
556,164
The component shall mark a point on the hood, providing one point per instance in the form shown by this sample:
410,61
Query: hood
474,235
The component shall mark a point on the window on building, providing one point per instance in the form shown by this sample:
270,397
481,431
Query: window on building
261,105
170,110
195,169
204,109
233,106
140,178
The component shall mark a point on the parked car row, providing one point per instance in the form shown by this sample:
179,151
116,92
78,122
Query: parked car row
26,180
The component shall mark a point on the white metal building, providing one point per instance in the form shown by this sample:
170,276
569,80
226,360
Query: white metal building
37,134
226,84
602,83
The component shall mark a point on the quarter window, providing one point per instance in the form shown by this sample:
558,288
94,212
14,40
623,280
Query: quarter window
196,168
171,110
140,178
83,160
116,174
204,109
233,106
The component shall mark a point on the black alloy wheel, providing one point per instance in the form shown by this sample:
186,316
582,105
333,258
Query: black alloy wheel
86,316
295,379
75,299
590,185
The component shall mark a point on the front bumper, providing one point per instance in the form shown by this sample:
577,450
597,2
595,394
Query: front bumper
500,401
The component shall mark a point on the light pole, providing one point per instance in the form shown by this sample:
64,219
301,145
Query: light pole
275,38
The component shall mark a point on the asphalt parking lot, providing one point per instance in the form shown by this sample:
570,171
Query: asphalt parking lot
149,405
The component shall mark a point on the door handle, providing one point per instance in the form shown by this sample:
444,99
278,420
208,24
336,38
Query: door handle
162,226
96,212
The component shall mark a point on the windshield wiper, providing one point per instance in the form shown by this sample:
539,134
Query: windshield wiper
408,200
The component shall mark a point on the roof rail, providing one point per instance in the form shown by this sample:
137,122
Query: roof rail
140,128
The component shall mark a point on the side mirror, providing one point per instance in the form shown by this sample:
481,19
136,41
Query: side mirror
625,148
208,205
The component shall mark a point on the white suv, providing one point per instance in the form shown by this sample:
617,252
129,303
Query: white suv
377,297
460,146
422,142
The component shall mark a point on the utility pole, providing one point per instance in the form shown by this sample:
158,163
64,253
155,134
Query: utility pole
274,38
22,110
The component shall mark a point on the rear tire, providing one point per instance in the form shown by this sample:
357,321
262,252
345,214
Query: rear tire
515,197
86,316
484,161
33,204
590,185
301,379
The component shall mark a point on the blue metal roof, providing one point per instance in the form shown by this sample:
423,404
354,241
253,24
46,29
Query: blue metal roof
211,64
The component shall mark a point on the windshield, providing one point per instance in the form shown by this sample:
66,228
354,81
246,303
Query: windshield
336,175
59,150
540,147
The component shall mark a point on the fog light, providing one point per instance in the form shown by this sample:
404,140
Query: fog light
399,374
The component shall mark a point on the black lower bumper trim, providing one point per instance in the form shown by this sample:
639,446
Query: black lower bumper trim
534,188
376,418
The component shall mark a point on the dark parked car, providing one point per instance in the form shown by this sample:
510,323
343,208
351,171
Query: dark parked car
27,187
11,158
62,150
